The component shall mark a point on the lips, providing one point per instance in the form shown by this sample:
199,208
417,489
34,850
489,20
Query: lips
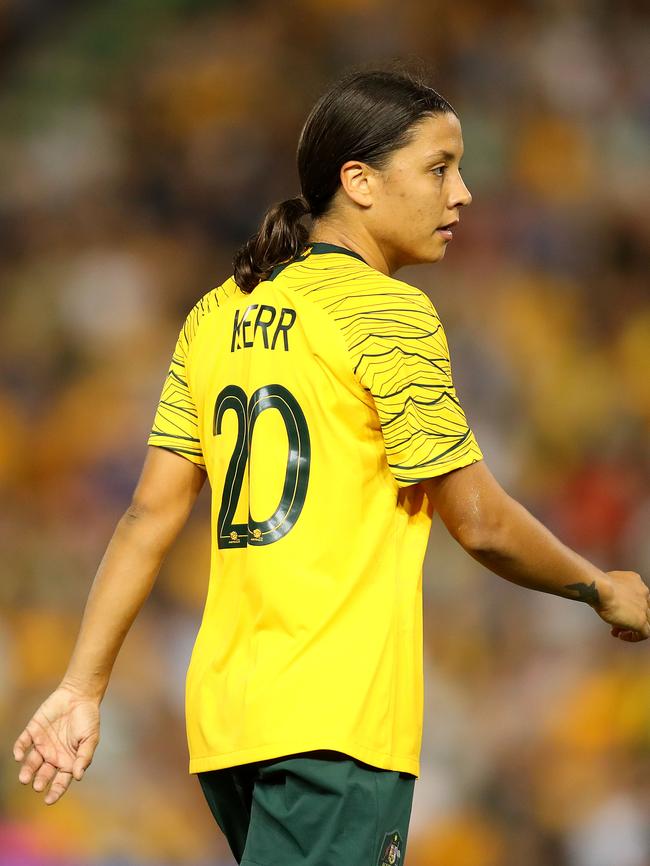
446,230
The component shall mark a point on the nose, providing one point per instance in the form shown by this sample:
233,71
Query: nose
460,194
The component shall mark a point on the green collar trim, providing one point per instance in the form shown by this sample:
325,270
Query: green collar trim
317,248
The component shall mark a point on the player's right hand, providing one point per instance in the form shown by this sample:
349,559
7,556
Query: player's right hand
626,606
58,742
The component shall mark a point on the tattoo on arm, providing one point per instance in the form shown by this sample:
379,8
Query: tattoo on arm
584,592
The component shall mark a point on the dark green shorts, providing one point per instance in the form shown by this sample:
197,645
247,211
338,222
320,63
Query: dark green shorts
319,808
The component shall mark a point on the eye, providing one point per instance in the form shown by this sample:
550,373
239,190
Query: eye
440,170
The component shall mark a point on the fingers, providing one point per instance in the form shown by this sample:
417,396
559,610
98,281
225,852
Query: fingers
22,745
84,757
44,776
43,773
58,787
630,635
30,765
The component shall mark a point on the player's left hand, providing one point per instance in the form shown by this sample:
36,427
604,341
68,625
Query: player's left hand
626,606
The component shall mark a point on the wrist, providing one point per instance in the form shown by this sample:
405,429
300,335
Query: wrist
84,689
604,590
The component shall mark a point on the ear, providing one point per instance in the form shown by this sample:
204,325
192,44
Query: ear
357,180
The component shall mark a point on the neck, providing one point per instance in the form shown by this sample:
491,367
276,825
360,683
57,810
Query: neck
328,232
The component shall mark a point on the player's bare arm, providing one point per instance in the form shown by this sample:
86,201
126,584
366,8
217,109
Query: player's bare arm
503,536
59,741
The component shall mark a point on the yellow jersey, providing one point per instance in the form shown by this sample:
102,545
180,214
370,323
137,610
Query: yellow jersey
315,404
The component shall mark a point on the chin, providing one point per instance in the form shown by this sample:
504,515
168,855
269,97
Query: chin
436,255
436,250
423,256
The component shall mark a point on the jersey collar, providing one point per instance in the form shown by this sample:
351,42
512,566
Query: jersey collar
317,248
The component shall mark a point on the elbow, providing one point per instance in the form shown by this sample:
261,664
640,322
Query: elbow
142,526
474,507
135,513
478,542
482,535
475,539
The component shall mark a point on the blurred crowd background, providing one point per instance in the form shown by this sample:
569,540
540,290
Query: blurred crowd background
141,142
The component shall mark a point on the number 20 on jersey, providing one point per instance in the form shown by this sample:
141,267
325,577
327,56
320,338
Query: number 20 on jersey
232,535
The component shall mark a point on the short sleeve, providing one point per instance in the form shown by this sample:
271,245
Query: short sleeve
401,356
175,425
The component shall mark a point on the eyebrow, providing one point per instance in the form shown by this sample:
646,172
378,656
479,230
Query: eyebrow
440,154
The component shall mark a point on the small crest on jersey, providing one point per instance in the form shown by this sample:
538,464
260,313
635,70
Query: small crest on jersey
391,849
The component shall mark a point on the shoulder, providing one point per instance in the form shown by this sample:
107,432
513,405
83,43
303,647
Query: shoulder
212,300
381,307
372,292
206,304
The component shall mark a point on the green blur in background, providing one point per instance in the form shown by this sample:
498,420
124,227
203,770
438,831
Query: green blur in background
140,143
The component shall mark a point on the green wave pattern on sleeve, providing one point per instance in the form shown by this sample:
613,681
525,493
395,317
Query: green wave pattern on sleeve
175,425
400,354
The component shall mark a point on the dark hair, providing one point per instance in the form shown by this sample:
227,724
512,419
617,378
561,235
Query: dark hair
365,116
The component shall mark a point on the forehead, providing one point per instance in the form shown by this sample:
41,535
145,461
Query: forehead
434,136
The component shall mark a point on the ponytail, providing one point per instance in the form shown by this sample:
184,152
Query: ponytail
280,237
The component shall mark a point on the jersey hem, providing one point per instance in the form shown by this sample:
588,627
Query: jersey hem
276,750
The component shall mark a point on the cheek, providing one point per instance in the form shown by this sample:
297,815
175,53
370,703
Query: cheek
401,190
416,201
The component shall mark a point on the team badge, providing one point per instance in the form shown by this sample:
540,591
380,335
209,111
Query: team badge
391,849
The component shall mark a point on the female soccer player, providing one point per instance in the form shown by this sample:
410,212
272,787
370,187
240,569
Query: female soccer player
314,390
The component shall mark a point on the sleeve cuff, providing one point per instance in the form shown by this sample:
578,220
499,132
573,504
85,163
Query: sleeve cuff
194,455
